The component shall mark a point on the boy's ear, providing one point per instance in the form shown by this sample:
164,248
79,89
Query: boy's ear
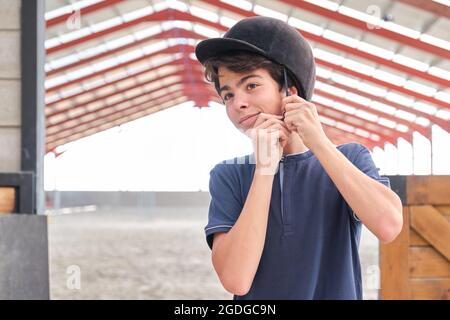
293,90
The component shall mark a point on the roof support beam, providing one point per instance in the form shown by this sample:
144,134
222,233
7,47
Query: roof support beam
388,34
348,119
177,63
430,6
97,121
137,85
168,34
186,49
83,11
411,125
387,62
113,109
346,136
200,86
120,120
441,122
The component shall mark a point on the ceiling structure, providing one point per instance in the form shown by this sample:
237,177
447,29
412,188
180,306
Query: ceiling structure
383,67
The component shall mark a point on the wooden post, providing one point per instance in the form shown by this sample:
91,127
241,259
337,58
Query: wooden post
394,264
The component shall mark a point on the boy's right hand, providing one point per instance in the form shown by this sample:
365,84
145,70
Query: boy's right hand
269,136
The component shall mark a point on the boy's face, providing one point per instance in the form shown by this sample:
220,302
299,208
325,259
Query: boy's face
249,93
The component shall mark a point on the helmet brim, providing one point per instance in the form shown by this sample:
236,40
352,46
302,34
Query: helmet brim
212,47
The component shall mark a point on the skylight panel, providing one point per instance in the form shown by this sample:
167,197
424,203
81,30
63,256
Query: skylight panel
388,77
322,100
350,82
409,62
358,67
391,96
178,5
362,133
266,12
227,22
345,108
380,52
106,24
366,115
305,26
424,107
357,98
205,14
136,14
66,37
422,121
443,114
402,128
383,107
435,41
330,5
328,56
441,95
330,89
340,38
322,72
373,90
418,87
387,123
205,31
405,115
242,4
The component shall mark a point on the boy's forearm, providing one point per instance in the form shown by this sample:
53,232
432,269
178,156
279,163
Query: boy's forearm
378,207
238,255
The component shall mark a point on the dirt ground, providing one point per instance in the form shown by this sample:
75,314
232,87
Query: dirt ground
157,253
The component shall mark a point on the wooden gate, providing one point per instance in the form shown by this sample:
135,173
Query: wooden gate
7,199
417,264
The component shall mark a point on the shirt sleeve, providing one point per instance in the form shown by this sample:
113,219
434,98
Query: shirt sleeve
364,162
226,205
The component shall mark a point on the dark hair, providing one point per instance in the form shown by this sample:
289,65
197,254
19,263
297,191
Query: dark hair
244,61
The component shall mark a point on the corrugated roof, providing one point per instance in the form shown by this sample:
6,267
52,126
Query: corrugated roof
110,62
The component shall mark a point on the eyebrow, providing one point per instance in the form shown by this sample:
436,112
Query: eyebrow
239,82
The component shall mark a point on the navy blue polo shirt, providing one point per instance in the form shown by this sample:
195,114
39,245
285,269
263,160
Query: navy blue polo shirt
312,239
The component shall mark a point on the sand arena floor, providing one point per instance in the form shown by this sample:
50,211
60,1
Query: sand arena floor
156,253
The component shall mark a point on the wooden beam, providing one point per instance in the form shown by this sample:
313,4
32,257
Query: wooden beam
427,263
430,289
433,227
394,260
428,190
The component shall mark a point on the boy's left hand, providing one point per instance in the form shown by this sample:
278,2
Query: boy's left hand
301,116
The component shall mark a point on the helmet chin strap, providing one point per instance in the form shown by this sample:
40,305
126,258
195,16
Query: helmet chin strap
285,86
285,82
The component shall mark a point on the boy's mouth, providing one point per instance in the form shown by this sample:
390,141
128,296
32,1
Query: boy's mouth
245,118
248,121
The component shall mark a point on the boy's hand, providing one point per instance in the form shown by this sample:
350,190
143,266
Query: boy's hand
269,136
301,116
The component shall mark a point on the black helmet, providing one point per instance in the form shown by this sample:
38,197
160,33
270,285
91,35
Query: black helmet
272,38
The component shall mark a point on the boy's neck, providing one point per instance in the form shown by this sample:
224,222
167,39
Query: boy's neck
295,145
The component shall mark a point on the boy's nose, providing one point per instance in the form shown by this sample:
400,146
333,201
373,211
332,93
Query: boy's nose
240,101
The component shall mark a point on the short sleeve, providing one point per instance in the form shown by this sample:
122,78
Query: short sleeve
364,162
226,205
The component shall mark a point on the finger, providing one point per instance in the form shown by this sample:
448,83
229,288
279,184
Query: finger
281,134
270,122
282,127
265,116
293,98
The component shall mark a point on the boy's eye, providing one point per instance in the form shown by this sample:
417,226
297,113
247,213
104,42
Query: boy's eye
252,85
227,96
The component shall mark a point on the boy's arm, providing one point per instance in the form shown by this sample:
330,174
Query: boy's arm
236,254
378,207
